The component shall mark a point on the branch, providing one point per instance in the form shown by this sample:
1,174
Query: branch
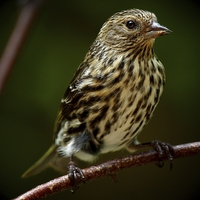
17,39
107,169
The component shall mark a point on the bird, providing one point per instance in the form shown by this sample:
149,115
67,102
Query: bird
112,95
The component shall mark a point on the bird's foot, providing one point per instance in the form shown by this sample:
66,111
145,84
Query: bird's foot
75,174
163,149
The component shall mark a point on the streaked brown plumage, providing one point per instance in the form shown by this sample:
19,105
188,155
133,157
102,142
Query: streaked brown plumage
113,93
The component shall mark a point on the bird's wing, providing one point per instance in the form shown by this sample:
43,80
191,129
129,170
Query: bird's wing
70,99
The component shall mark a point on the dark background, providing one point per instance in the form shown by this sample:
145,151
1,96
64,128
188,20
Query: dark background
55,47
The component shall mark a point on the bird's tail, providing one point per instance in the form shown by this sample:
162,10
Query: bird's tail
42,163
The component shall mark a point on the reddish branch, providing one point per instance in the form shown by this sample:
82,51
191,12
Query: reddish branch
106,169
17,39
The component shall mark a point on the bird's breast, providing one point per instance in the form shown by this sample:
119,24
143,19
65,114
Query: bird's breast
129,104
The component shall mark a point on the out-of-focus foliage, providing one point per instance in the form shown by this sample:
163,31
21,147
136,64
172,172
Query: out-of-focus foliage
55,47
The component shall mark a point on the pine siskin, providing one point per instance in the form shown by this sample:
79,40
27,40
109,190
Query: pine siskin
112,95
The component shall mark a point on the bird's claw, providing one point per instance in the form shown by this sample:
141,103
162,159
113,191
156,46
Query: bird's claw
75,174
163,148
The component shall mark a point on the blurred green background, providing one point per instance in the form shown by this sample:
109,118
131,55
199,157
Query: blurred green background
58,41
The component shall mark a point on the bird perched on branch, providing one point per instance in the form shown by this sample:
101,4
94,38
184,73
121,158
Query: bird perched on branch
112,95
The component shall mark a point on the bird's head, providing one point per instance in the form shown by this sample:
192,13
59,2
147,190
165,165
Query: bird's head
130,28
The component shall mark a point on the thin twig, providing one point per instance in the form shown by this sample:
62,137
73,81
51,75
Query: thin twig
106,169
17,39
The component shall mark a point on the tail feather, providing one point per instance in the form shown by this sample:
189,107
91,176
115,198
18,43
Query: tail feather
42,163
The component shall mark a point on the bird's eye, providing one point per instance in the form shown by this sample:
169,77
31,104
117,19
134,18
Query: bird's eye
130,24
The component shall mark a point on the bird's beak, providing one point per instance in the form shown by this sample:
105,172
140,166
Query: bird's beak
156,30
